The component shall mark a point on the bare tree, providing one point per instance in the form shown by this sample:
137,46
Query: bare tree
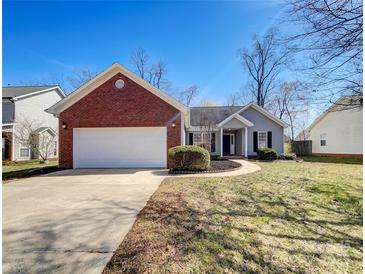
263,63
331,40
155,74
291,104
80,77
187,96
77,78
140,60
234,100
208,103
206,126
41,144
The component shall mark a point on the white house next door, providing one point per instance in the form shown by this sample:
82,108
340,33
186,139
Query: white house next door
126,147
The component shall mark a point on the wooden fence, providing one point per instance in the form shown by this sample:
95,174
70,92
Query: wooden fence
302,148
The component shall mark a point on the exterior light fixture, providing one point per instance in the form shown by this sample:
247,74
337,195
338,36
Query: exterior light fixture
64,125
173,125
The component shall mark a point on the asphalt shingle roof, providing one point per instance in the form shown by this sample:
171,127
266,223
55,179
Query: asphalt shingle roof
15,91
213,114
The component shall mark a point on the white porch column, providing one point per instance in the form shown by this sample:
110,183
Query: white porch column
246,142
221,142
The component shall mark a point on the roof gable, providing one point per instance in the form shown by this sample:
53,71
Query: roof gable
342,104
104,76
238,117
265,113
41,130
220,114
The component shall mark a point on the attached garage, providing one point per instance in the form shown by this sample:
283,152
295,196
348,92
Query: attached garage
118,120
120,147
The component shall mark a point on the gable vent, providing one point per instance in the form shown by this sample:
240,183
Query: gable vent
119,84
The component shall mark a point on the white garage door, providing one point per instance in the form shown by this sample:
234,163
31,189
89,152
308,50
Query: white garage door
119,147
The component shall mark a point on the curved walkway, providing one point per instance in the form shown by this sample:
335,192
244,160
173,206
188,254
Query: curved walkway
246,167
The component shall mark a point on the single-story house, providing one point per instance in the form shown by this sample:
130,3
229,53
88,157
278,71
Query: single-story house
338,131
119,120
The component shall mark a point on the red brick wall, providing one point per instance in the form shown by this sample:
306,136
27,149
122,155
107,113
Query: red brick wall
106,106
9,136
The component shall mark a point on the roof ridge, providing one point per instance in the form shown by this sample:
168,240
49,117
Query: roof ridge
216,106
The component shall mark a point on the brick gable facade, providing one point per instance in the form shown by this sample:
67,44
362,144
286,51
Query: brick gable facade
107,106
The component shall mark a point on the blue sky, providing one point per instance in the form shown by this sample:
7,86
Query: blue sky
198,40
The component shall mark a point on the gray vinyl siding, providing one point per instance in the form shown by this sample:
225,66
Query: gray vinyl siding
263,123
234,123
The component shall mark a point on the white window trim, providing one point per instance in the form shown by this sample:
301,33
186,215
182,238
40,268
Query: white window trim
20,151
202,140
258,139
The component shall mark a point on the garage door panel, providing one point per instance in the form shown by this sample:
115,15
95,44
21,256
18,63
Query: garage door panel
120,147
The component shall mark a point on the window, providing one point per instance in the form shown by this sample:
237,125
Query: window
323,140
24,151
262,139
205,139
197,139
55,148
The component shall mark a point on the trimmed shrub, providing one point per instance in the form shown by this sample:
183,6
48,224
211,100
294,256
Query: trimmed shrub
189,158
267,154
288,156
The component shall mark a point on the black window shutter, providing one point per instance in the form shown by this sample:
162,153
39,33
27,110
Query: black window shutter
269,139
212,144
255,141
190,138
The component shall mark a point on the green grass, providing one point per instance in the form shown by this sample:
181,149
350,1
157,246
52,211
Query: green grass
27,168
287,218
331,159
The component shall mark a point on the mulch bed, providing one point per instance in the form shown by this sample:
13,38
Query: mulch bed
215,166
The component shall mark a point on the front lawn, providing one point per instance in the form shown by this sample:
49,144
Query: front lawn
288,217
332,159
27,168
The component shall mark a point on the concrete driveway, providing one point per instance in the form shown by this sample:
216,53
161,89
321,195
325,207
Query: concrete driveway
71,221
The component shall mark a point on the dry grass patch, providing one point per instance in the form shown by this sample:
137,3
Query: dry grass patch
289,217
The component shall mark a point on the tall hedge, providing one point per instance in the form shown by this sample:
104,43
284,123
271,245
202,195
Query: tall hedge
189,158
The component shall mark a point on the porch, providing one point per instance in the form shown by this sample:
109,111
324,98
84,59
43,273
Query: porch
233,142
233,136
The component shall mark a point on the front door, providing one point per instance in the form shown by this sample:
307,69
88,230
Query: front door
226,144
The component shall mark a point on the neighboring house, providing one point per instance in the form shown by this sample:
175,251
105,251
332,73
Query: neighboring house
119,120
337,131
23,114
